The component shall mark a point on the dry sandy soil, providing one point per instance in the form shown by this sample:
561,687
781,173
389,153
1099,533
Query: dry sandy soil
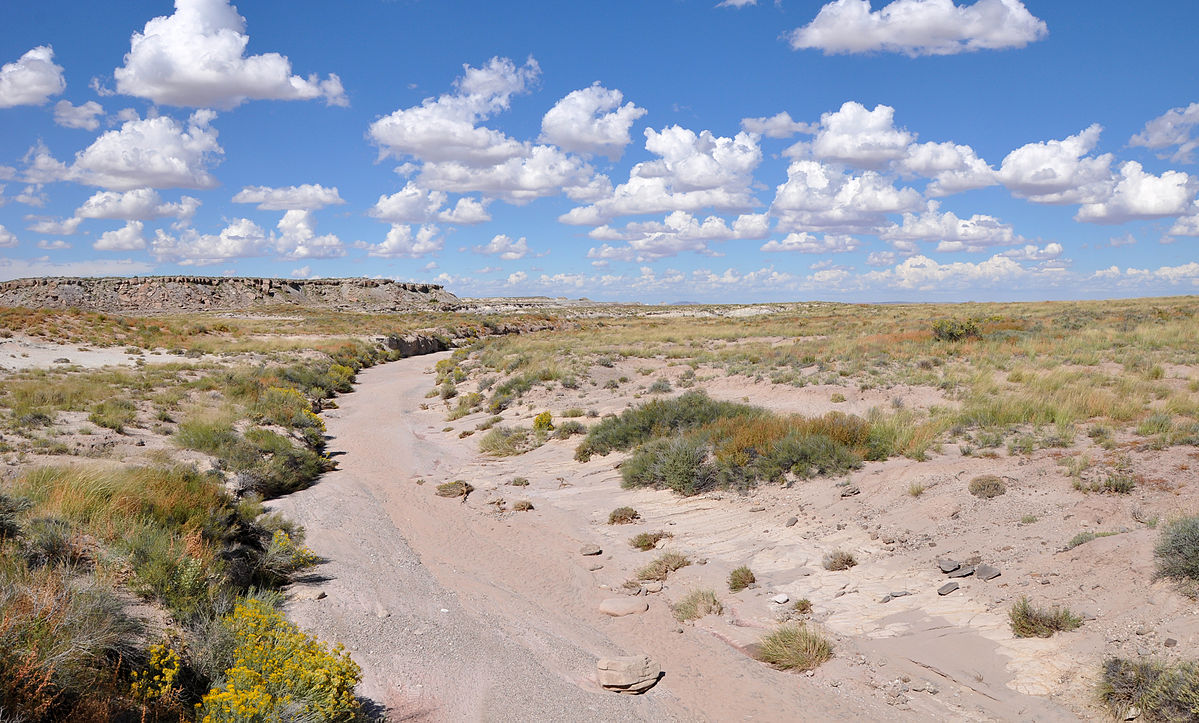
466,610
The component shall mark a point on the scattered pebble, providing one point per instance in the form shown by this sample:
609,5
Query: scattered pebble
791,521
780,599
590,550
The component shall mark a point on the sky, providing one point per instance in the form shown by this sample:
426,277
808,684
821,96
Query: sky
626,150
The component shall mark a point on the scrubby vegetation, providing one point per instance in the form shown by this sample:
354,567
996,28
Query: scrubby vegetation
794,647
660,568
839,560
646,541
741,578
1032,622
1160,691
697,604
623,516
1177,551
987,486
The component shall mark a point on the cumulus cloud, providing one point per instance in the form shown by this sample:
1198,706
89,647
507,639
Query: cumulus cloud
32,79
736,3
1187,273
156,152
860,137
56,245
539,172
806,243
196,57
1140,195
591,120
298,238
78,116
919,27
1058,171
305,197
1171,130
1031,252
55,227
140,204
954,234
678,232
819,197
692,171
242,238
127,238
924,274
401,242
779,125
413,204
505,247
8,239
43,266
953,167
1187,225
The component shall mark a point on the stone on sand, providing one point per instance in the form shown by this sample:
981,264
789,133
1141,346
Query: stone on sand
986,572
630,674
947,588
621,606
590,550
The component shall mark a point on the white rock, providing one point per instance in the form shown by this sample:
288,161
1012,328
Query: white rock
780,599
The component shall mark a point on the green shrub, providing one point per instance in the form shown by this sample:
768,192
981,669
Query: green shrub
794,647
115,414
678,464
955,329
658,418
660,386
510,441
987,486
1030,622
623,516
1160,691
1177,550
663,566
568,429
696,604
1083,538
741,578
838,560
646,541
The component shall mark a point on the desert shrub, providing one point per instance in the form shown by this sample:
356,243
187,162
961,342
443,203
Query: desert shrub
543,422
573,412
838,560
954,329
447,390
519,482
1116,481
915,489
741,578
1030,622
678,464
1161,691
115,414
794,647
696,604
646,541
467,403
1177,550
987,486
658,418
50,541
663,566
457,488
1156,423
623,516
802,606
660,386
281,673
489,423
1083,538
837,398
522,505
568,429
10,507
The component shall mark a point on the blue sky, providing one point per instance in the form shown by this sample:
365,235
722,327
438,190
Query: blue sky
650,151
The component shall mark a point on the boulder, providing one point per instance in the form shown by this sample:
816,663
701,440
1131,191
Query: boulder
631,674
621,606
948,565
590,550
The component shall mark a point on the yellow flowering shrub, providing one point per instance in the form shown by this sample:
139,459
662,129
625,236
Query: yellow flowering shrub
285,556
157,681
279,669
286,407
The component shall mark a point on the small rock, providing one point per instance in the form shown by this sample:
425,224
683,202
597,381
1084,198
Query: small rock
962,572
594,566
621,606
311,595
590,550
1170,642
678,630
947,588
885,599
1143,630
757,509
652,586
850,491
791,522
1133,713
948,565
381,612
986,572
62,360
140,443
780,599
631,674
901,593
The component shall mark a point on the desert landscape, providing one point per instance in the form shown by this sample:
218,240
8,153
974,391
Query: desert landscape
831,511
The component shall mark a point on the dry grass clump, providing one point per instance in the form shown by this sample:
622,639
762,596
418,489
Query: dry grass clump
838,560
1160,691
511,441
1030,622
623,516
987,486
1177,551
663,566
696,605
741,578
646,541
803,606
522,506
794,647
457,488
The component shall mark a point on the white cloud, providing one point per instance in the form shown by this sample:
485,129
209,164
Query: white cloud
298,239
919,27
505,247
1140,278
242,238
736,3
517,277
539,172
466,212
303,272
414,204
1058,171
7,239
779,125
954,234
819,197
32,196
56,227
1187,225
953,167
42,266
860,137
1031,252
140,204
78,116
677,233
156,152
1140,195
196,57
305,197
591,120
880,258
32,79
1172,129
692,172
56,245
924,274
402,243
127,238
806,243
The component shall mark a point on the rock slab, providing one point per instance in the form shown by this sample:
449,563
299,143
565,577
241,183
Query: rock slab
986,572
630,674
620,606
947,588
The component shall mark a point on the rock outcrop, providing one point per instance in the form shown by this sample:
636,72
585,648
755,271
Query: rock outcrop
150,294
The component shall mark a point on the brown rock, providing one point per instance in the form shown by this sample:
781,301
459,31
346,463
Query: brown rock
631,674
620,606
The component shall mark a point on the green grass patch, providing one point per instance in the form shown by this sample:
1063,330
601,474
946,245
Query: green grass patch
1031,622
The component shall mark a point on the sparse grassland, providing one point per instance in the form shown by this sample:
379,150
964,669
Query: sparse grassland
1032,622
1158,690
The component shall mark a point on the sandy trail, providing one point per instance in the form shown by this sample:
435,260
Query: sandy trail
457,612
